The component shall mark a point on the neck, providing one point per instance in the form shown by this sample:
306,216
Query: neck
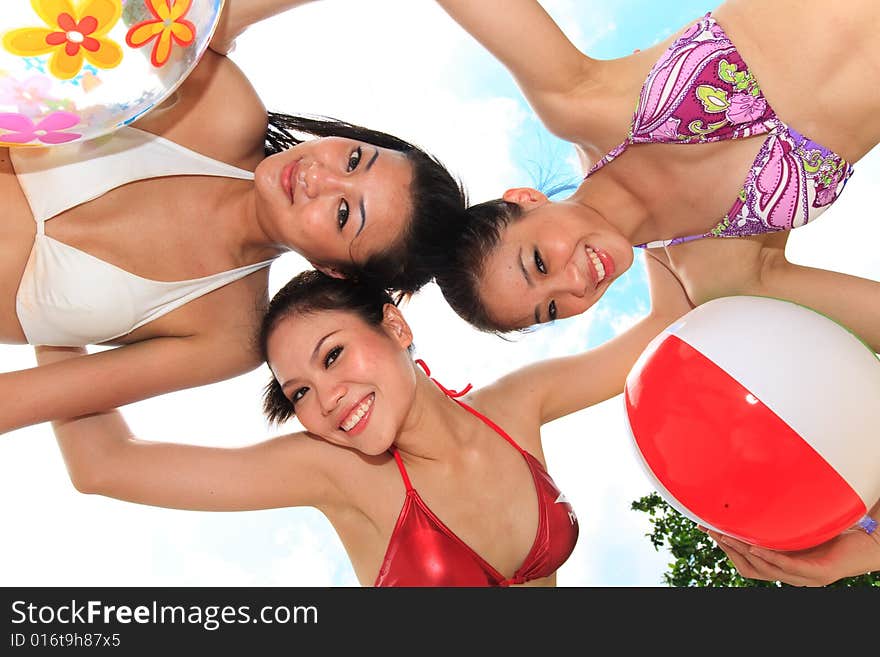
248,237
617,206
435,427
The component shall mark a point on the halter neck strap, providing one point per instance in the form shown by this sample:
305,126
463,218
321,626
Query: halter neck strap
454,394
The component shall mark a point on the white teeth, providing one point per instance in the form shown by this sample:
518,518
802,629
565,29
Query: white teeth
597,265
357,415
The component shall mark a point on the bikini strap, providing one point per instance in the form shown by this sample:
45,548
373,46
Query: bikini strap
450,393
501,432
453,394
612,154
402,469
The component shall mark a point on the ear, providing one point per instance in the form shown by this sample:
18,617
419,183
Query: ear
526,197
332,272
396,326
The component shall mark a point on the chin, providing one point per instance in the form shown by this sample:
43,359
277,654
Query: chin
375,446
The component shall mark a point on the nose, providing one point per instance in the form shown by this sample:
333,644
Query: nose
329,397
316,179
572,280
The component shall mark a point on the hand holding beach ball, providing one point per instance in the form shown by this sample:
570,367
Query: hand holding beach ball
72,70
760,419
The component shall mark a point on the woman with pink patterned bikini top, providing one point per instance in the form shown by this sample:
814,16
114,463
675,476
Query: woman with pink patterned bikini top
524,259
702,91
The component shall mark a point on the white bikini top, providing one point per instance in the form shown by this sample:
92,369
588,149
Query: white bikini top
70,298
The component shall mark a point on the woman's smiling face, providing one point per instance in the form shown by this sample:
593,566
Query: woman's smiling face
554,261
350,383
335,201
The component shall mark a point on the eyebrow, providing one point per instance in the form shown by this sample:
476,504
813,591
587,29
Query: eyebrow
363,218
361,204
373,159
314,354
320,342
529,282
522,268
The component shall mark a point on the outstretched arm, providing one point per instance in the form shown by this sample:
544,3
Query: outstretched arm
599,373
547,67
238,15
103,457
850,554
849,300
119,376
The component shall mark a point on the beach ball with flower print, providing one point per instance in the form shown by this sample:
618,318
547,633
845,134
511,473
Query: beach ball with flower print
72,70
758,418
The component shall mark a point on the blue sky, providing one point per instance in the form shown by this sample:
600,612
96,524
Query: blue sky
424,79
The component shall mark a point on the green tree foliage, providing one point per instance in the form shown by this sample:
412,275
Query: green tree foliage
698,561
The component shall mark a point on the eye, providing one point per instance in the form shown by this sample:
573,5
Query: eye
539,263
551,311
342,214
298,395
354,159
331,356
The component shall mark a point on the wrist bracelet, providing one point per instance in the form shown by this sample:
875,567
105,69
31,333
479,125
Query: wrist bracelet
868,524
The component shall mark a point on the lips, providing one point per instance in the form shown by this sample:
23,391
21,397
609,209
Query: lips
607,263
357,416
592,274
599,265
288,174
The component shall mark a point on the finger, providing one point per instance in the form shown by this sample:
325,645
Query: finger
790,567
732,543
770,571
737,556
740,562
753,566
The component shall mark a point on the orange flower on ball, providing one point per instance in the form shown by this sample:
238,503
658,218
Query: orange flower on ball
167,28
76,31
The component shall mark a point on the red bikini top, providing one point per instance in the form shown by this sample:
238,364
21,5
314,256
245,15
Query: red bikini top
423,551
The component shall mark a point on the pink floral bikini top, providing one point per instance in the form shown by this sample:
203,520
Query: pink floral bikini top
702,91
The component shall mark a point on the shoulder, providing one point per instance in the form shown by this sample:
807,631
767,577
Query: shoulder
354,481
304,470
504,405
229,316
596,110
216,112
723,266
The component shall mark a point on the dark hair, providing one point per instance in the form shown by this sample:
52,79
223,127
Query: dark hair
437,212
459,276
309,292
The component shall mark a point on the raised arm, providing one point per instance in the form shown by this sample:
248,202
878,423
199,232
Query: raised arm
850,300
115,377
599,373
238,15
525,39
103,457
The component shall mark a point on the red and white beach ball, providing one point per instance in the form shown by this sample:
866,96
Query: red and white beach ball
759,418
